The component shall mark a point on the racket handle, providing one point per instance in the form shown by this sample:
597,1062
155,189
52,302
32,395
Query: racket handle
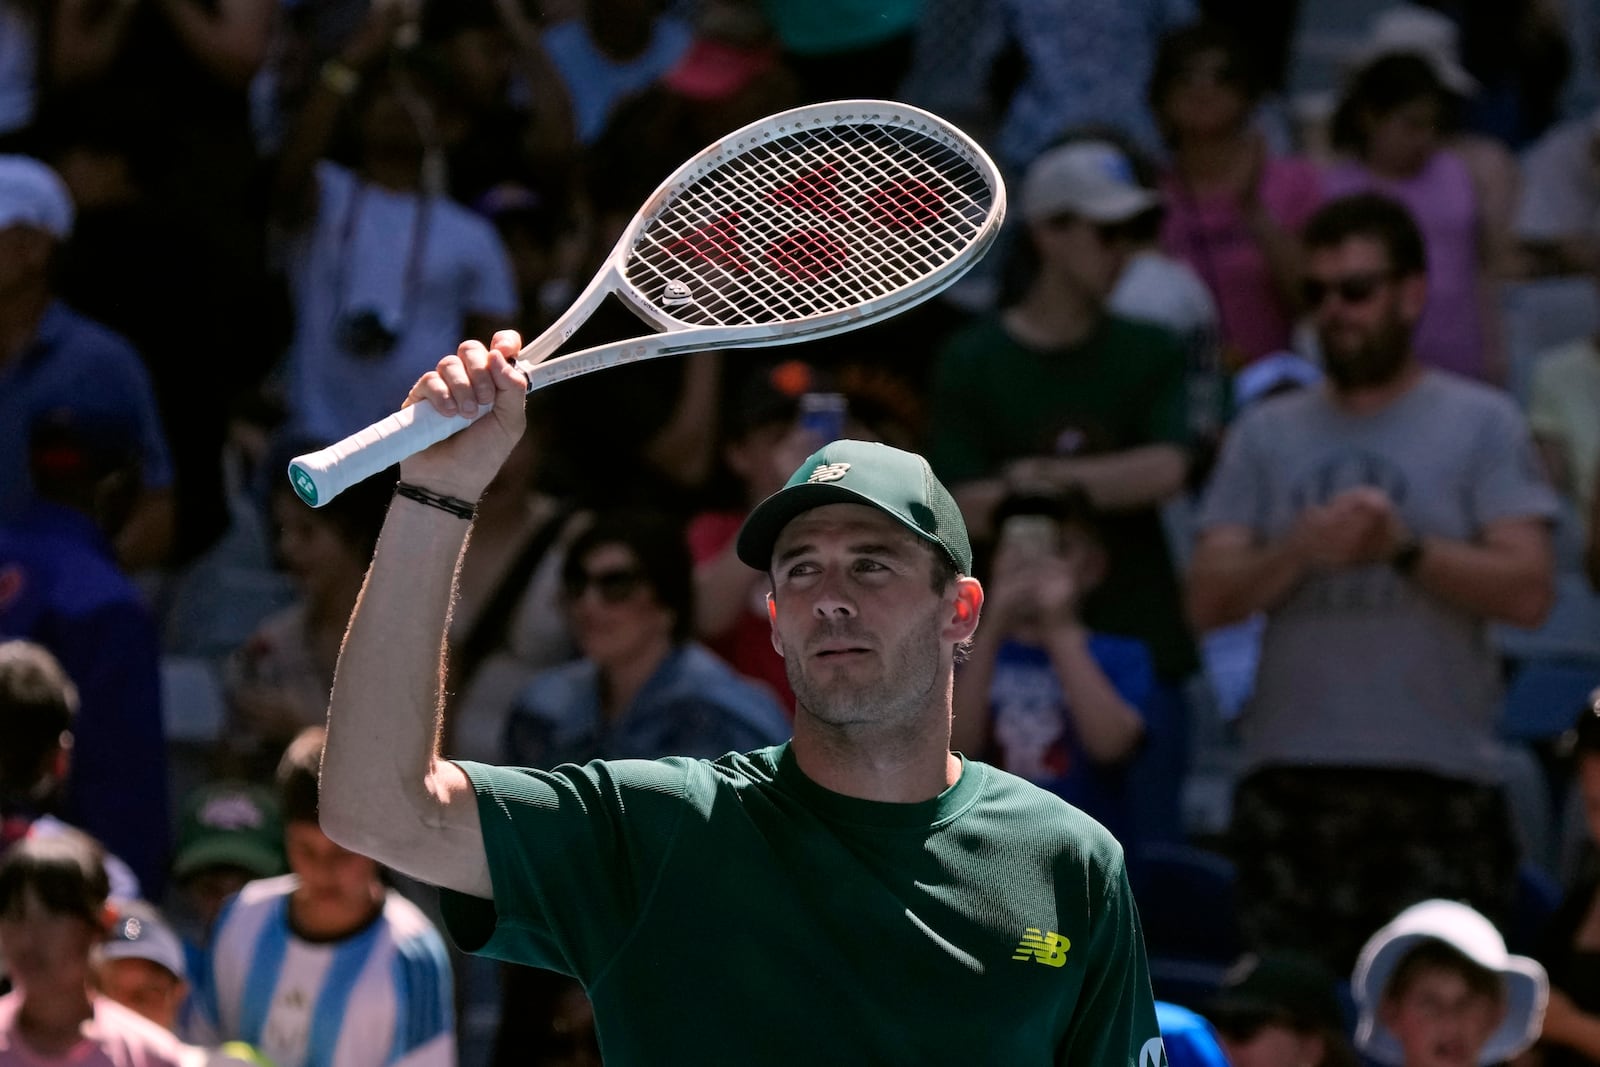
320,476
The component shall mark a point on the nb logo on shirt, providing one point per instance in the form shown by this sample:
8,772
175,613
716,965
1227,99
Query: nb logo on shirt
1049,949
829,472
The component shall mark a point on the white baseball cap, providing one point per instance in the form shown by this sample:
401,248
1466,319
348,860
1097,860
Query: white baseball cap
1091,179
32,194
1475,937
1409,28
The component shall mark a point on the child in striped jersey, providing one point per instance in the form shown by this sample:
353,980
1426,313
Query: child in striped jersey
326,965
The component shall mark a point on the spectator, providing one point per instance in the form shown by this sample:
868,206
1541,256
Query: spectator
1557,222
53,912
1084,61
508,113
38,703
385,271
1382,521
642,687
142,966
1052,391
846,49
64,589
1281,1010
1568,948
541,240
53,357
229,834
869,555
611,51
277,683
21,30
1436,983
1392,130
1564,415
1041,694
1234,208
355,975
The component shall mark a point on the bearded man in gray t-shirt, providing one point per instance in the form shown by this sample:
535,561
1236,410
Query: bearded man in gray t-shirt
1380,522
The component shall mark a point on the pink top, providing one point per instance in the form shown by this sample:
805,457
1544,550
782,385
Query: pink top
1444,201
1208,232
115,1037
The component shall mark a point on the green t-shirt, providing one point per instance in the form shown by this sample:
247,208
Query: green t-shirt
736,912
995,400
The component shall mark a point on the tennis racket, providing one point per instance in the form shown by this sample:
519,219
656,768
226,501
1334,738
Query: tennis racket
810,222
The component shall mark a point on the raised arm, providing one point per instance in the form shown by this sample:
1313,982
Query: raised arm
385,791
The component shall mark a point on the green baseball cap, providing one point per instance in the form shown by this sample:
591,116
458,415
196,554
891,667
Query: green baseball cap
900,484
230,824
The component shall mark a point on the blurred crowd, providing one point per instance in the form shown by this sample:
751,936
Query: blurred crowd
1274,414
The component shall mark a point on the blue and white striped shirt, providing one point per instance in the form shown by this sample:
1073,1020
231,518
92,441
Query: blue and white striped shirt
382,997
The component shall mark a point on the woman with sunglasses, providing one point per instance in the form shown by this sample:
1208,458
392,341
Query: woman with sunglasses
642,686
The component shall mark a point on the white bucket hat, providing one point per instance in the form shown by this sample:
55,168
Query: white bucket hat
1466,931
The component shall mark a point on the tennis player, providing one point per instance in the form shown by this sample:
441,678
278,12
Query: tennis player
860,894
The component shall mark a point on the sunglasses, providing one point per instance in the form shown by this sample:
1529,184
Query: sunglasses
1351,289
614,586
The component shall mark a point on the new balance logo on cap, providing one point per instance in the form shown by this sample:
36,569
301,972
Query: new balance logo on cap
829,472
1039,946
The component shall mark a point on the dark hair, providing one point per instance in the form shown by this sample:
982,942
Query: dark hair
1388,82
37,704
1068,507
1375,216
1432,954
64,868
1179,48
657,541
297,775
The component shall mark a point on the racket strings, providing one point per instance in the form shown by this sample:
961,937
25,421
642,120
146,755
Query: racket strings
810,223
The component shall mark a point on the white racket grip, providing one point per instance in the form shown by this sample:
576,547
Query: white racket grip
320,476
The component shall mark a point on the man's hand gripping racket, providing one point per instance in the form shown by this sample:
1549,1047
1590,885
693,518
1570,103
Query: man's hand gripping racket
811,222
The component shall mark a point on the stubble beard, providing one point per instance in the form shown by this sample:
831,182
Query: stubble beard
899,691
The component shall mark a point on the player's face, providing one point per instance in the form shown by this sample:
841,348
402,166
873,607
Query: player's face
861,630
1440,1021
46,952
143,986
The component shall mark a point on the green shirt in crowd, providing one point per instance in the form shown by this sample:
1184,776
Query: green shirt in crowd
995,400
735,912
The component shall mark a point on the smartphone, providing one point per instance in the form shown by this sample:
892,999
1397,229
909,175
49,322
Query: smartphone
1030,536
823,415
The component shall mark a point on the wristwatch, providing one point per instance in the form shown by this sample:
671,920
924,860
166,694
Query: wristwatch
1407,556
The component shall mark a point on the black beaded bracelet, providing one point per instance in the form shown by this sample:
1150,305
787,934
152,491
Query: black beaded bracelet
453,504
